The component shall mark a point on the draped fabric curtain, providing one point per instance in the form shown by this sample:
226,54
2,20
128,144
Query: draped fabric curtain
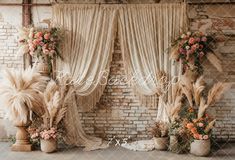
146,33
88,44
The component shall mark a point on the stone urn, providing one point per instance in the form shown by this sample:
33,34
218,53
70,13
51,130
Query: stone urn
22,137
200,147
161,143
173,143
43,66
48,146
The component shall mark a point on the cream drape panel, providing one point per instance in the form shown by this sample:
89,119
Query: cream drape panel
88,44
146,33
87,50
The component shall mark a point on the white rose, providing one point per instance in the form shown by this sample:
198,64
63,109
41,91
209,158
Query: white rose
188,33
183,36
187,47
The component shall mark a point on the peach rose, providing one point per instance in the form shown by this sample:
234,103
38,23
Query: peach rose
47,36
191,40
196,136
36,42
38,34
190,125
194,130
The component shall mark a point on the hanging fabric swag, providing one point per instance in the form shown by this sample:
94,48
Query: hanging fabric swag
145,32
87,51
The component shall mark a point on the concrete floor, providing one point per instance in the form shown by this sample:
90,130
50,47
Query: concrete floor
224,152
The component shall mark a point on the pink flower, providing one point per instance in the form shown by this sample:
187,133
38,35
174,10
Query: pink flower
36,42
38,34
41,43
198,39
201,54
205,137
200,124
204,39
191,40
47,36
47,137
194,47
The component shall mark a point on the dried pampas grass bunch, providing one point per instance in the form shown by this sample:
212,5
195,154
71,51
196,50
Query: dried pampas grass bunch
55,98
214,94
21,92
193,92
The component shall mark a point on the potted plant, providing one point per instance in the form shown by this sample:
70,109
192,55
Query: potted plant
199,123
50,128
160,135
178,137
21,94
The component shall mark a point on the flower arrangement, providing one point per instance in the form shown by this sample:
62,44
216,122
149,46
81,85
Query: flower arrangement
160,129
45,134
199,122
200,129
191,48
40,43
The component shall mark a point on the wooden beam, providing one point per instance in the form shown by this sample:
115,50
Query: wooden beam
26,21
25,4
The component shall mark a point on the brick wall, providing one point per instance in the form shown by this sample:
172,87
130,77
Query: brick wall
8,45
119,112
219,19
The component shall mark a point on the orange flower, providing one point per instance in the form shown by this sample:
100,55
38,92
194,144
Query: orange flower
190,125
194,130
196,136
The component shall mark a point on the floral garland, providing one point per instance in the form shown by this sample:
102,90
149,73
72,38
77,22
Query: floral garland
191,48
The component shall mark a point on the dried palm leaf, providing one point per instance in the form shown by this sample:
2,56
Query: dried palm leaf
210,126
176,90
214,61
198,87
217,91
175,111
187,87
60,115
202,108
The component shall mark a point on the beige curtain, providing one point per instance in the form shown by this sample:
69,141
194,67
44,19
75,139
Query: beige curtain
87,51
146,33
